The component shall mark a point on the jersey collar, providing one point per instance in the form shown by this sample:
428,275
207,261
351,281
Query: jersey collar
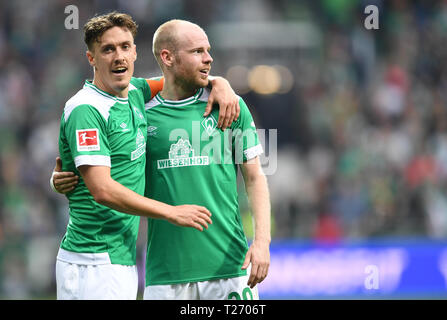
89,84
179,103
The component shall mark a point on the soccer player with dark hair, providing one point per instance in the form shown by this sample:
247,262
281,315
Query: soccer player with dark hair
103,138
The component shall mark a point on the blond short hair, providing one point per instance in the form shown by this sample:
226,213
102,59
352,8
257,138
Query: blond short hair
165,37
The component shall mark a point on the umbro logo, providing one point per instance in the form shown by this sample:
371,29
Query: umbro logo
152,130
124,127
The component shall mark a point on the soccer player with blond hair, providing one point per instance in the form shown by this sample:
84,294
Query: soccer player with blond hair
190,160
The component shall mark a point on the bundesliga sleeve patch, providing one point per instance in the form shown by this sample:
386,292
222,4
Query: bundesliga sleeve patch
87,140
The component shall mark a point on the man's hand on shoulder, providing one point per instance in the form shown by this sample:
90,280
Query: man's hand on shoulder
223,95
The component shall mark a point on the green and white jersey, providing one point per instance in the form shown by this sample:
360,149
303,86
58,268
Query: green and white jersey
191,161
99,129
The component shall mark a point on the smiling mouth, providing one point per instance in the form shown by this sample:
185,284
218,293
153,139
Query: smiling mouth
204,71
119,70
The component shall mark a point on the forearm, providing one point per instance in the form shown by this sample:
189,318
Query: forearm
259,200
211,81
114,195
219,82
258,195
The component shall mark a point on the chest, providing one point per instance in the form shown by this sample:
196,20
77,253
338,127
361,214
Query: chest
184,138
126,132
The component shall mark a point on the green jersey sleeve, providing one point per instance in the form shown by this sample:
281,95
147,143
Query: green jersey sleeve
143,85
86,135
246,142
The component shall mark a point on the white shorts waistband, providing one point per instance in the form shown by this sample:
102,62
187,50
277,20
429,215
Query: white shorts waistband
83,258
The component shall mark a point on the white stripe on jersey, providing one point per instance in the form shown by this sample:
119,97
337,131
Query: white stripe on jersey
92,160
91,97
253,152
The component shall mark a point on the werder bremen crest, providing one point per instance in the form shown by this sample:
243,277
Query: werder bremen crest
209,124
181,154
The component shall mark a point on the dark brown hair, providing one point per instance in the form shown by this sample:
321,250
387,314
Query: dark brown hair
96,26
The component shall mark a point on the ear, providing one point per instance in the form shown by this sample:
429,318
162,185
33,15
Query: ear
135,50
90,58
166,57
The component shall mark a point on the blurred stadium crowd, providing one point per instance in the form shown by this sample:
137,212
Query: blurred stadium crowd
361,124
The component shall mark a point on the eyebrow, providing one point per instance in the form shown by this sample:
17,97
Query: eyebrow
195,48
103,46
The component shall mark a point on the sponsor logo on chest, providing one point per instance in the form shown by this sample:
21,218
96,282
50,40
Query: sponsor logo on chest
181,154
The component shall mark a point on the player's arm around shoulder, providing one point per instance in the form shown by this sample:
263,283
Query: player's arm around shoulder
108,192
245,117
223,95
112,194
155,85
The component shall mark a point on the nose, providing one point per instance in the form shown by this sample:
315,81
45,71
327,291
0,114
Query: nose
207,57
119,55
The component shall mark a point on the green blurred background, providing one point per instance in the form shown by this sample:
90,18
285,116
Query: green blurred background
360,116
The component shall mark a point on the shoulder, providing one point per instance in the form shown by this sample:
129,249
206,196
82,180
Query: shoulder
245,118
244,109
204,94
88,98
154,102
142,85
138,83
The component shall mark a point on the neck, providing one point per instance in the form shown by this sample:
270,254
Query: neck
176,89
117,93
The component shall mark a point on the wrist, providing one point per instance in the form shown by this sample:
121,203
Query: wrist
52,182
211,81
262,240
168,212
